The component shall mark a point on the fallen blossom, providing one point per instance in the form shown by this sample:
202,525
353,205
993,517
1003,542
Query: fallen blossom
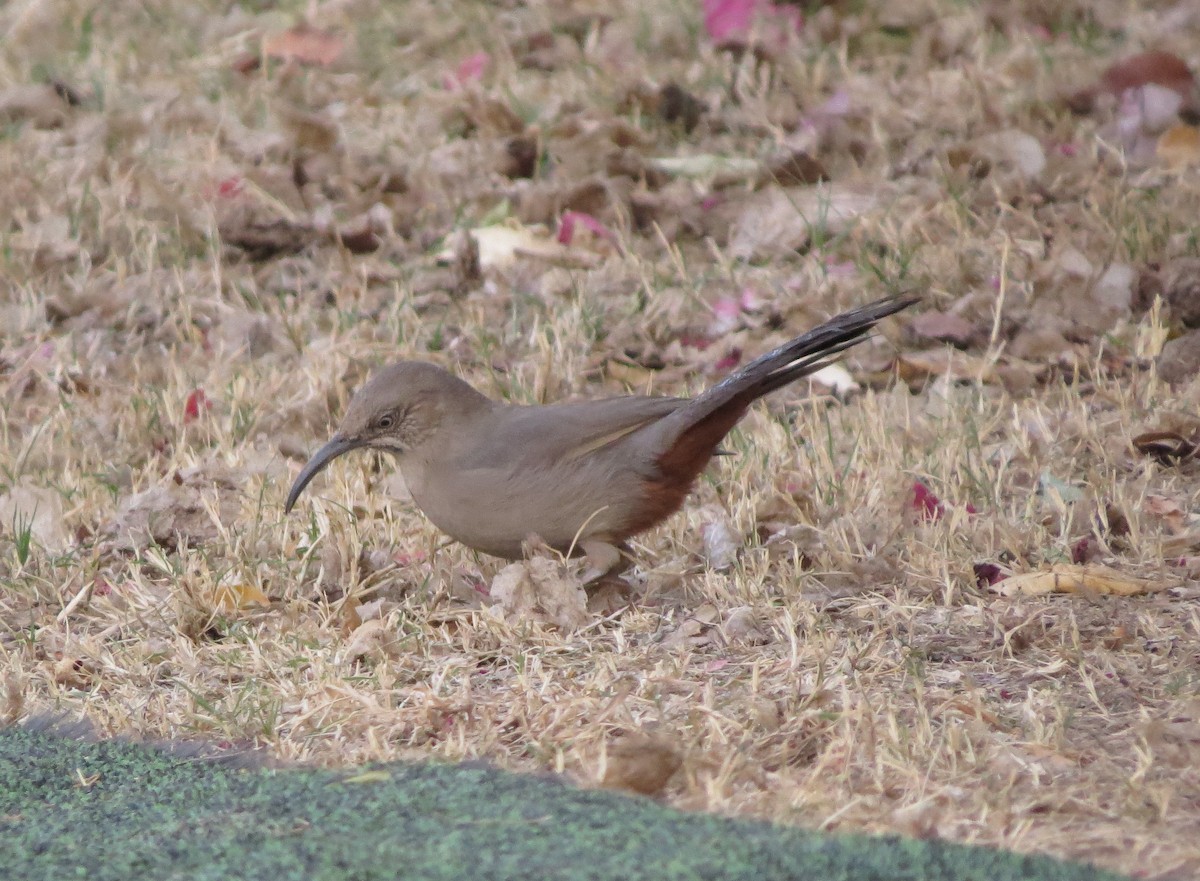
197,403
569,220
733,21
925,504
469,70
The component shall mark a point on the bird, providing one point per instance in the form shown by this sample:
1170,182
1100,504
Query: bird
580,477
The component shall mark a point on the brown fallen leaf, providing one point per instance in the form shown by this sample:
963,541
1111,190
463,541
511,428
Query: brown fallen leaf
1180,288
41,105
794,169
372,639
722,543
1015,148
178,511
779,221
943,327
695,630
1179,145
542,589
744,625
304,44
1157,67
1168,447
1154,68
263,239
502,245
1179,360
676,104
640,763
966,708
1076,579
240,595
1170,511
932,363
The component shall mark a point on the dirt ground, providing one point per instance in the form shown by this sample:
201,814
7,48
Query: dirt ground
216,218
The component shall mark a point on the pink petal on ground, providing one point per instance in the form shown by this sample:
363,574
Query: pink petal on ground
987,574
566,227
727,308
469,70
730,20
925,504
197,403
837,104
750,300
1083,551
694,341
729,362
231,186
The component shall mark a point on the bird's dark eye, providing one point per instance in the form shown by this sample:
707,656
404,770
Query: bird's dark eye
386,421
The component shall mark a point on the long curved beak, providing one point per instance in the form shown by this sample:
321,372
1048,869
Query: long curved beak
322,457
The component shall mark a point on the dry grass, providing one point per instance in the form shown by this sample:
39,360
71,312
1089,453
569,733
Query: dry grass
854,677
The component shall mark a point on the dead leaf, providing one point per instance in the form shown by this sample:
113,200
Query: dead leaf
1161,68
1168,447
957,366
743,625
836,378
944,327
1179,360
794,169
1168,510
695,630
1017,148
231,596
676,104
72,671
317,132
304,44
40,105
640,763
263,238
543,589
1180,288
780,221
372,639
721,542
706,166
1076,579
1179,145
501,246
176,512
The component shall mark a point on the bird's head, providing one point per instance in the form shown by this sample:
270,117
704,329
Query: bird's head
400,408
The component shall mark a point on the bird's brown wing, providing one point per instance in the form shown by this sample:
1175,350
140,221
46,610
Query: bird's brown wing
563,433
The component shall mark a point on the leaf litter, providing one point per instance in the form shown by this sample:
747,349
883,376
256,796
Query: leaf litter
219,222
